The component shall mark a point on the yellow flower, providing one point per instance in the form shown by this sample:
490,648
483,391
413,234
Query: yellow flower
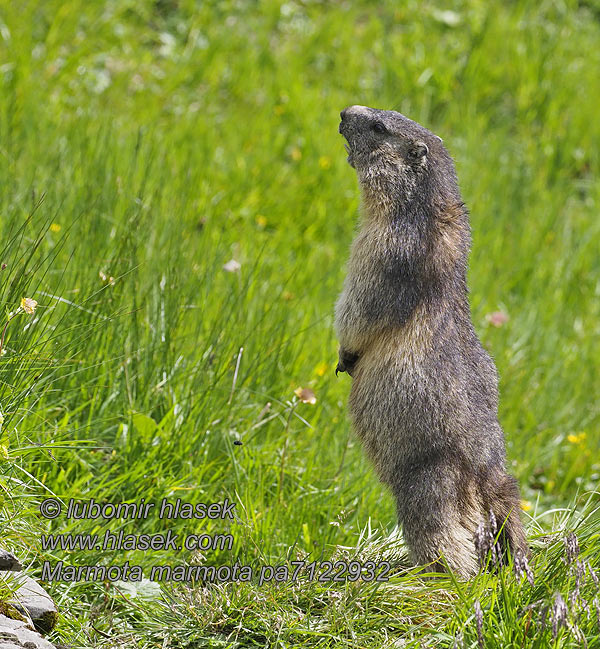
261,220
55,227
525,505
321,368
28,305
576,438
324,162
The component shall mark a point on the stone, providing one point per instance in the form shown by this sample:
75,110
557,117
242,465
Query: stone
15,634
30,598
8,561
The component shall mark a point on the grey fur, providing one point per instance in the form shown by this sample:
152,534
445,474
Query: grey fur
424,394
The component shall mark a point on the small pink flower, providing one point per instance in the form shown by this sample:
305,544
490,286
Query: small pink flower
497,318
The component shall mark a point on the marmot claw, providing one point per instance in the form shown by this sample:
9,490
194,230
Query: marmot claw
346,362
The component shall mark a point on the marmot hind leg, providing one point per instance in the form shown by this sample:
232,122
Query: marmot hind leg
439,518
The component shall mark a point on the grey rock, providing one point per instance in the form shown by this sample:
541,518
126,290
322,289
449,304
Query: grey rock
15,634
8,561
30,598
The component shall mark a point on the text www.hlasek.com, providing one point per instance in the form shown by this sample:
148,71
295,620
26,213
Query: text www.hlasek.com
122,541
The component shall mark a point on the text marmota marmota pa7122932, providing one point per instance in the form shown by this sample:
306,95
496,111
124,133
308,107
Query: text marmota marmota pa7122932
424,396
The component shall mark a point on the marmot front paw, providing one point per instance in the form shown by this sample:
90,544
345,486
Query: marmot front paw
346,362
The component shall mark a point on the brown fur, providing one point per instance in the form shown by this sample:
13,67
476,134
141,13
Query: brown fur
424,392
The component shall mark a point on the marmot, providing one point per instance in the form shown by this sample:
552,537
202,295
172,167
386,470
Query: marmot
424,396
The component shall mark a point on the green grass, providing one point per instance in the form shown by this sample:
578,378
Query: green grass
153,142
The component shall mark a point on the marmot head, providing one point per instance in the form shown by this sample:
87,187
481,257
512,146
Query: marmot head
397,160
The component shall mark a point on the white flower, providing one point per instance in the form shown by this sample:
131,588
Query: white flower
28,305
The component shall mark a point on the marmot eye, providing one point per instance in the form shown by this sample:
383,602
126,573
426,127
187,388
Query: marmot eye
378,127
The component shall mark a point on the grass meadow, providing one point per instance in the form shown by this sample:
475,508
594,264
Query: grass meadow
175,196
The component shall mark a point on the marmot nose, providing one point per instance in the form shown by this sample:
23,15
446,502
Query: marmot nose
354,110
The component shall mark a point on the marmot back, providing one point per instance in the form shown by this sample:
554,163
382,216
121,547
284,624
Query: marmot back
424,395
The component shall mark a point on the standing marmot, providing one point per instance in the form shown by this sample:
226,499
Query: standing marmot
424,394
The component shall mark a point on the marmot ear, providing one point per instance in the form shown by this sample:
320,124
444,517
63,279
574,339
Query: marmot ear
418,150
